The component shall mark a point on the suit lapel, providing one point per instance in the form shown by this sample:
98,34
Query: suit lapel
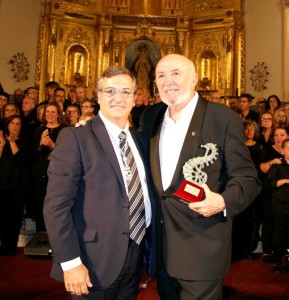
154,150
102,136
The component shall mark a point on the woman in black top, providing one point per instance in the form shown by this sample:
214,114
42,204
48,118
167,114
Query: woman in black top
270,155
13,182
278,180
45,138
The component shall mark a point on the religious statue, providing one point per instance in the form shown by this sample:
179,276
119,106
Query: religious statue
142,67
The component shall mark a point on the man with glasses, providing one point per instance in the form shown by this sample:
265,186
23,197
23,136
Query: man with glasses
59,97
98,208
245,103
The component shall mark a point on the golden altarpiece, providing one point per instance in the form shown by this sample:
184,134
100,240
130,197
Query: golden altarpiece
78,39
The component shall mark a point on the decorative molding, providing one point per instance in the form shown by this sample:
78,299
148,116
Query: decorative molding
78,36
203,5
259,76
88,3
20,67
144,29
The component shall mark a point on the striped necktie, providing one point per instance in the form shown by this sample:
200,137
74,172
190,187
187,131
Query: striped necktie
135,194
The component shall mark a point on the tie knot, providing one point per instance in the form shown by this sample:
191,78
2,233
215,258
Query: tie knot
122,136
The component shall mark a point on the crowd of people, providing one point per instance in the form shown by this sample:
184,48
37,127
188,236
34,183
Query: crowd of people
28,132
23,181
266,130
29,129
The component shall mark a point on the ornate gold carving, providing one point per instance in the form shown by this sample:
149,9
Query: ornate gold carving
88,3
203,5
144,29
78,36
117,6
108,30
39,54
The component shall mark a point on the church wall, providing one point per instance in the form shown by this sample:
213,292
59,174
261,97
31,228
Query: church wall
263,22
19,26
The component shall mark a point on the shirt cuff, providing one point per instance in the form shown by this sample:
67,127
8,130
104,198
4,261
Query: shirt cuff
71,264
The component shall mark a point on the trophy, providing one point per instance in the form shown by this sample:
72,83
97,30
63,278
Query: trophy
190,189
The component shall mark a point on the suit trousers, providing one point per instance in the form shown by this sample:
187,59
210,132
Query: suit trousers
170,288
126,286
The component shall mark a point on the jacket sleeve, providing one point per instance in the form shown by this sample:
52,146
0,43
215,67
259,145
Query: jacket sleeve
64,173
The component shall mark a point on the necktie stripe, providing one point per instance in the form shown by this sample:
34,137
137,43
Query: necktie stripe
135,193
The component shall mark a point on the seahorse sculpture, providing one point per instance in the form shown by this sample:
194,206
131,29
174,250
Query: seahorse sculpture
192,169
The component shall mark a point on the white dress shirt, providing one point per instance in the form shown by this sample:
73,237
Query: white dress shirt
172,138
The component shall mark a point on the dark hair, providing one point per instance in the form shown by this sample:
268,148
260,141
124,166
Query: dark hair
8,120
114,71
248,96
282,127
75,106
52,84
59,89
26,92
268,101
13,104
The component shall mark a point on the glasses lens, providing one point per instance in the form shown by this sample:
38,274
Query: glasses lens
111,92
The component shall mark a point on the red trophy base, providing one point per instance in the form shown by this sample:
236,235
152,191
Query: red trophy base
189,192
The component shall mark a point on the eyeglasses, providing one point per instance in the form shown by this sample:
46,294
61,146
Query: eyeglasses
266,120
111,92
250,129
72,111
86,106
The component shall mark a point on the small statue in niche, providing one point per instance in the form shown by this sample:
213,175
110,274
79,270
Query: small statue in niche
143,66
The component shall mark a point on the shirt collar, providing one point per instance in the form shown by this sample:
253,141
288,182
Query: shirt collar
112,129
188,111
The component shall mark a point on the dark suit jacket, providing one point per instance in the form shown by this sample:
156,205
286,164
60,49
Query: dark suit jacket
86,206
195,247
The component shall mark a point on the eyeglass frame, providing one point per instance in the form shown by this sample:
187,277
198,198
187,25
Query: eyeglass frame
267,119
118,91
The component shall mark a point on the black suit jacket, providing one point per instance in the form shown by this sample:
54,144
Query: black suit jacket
195,247
86,206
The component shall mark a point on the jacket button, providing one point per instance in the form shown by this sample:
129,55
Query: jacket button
125,233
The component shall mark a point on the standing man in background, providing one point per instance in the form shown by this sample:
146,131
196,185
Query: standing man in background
99,209
203,142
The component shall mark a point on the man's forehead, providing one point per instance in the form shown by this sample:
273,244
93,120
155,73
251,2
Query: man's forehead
171,66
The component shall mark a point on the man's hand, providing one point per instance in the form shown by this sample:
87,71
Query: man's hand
77,280
213,203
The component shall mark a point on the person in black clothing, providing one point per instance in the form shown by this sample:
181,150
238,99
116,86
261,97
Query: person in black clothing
245,103
139,107
13,182
266,129
246,225
278,179
45,138
271,155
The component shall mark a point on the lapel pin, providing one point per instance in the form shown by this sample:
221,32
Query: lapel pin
193,133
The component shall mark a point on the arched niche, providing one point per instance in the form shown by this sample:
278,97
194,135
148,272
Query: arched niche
207,64
141,58
77,63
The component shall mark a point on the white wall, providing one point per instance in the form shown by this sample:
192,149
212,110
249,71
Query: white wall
264,43
19,26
